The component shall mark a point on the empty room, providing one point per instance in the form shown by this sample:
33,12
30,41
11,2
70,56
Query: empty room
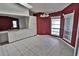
39,29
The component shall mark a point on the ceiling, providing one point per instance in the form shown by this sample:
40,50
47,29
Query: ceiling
48,7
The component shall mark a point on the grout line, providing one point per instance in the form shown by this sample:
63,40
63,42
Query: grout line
18,50
29,49
4,51
65,42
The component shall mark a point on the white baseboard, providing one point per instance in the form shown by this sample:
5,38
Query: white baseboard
67,44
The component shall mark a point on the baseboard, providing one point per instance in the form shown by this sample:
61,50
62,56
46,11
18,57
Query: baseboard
67,43
22,39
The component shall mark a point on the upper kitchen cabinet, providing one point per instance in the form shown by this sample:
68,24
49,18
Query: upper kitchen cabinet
13,9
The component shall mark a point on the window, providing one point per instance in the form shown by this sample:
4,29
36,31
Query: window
68,26
55,26
14,24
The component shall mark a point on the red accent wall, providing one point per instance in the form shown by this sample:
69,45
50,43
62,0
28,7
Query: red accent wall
43,25
6,22
69,9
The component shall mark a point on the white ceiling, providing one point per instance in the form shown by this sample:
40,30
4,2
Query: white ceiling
48,7
26,5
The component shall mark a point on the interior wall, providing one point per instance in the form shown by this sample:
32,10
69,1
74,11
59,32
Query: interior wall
69,9
59,13
43,25
31,13
74,33
23,22
13,8
6,22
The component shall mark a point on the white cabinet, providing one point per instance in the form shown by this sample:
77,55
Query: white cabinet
23,22
15,35
3,37
13,9
11,36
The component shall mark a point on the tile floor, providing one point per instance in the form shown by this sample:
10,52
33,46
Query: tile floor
40,45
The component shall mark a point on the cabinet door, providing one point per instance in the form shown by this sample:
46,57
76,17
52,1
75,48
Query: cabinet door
11,36
3,37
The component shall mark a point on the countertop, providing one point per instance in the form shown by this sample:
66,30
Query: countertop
13,30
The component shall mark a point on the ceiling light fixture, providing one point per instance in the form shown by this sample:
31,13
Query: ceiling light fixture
44,15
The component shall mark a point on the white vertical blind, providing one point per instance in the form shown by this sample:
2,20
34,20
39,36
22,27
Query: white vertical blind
55,25
68,26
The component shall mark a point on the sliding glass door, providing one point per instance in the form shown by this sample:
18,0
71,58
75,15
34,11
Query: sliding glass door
55,26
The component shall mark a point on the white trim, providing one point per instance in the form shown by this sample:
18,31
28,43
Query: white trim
56,17
67,40
13,13
16,14
76,39
72,26
67,43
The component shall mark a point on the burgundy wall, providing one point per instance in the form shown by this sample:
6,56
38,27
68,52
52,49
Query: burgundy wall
5,22
43,25
69,9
